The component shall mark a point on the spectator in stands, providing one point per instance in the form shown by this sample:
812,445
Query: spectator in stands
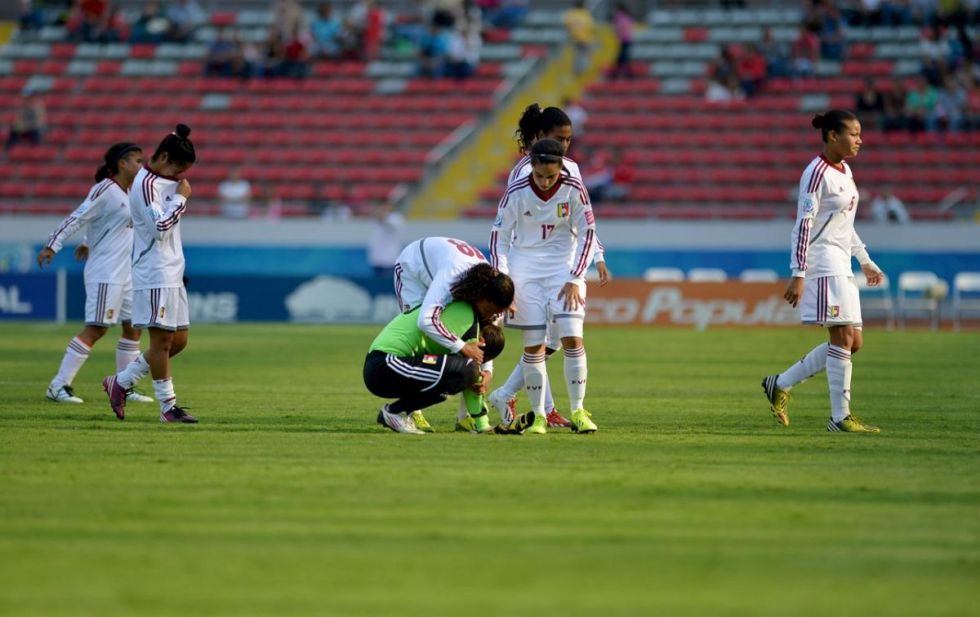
726,91
577,114
833,36
581,30
273,56
30,121
776,55
287,16
462,52
806,52
886,207
509,13
222,55
870,104
185,17
30,17
623,175
297,54
894,118
151,26
623,23
952,105
235,194
433,51
920,106
597,173
385,243
113,27
365,24
326,31
751,70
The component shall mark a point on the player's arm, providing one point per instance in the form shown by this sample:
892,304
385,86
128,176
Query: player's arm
870,269
600,262
502,232
81,216
457,318
166,213
584,229
430,315
807,207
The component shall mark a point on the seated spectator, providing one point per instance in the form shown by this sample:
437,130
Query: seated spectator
920,105
833,36
894,117
597,174
776,55
726,91
151,26
297,54
326,32
751,71
235,194
806,52
623,23
886,207
272,57
432,52
185,17
287,16
952,105
222,55
870,104
30,17
509,14
84,19
30,121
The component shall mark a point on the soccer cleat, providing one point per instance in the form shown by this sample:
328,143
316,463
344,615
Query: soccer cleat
778,399
851,424
518,426
64,394
176,414
117,396
538,427
481,424
556,420
582,422
421,423
466,424
505,407
397,422
135,397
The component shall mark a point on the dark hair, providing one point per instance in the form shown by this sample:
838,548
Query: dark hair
483,281
493,341
535,121
832,120
111,158
177,146
546,151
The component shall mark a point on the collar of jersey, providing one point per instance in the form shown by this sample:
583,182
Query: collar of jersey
546,195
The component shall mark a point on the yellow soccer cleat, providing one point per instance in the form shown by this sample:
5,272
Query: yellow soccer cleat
421,423
582,422
538,427
851,424
466,424
778,399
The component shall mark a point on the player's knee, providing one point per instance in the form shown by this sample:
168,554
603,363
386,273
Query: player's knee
460,373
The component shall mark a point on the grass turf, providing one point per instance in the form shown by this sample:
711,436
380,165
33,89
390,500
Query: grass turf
287,499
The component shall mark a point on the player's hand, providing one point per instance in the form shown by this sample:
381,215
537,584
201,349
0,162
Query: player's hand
473,351
81,252
794,291
45,257
604,274
573,297
483,386
875,277
184,188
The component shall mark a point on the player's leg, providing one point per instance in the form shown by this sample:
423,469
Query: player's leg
128,346
571,328
843,319
552,345
60,389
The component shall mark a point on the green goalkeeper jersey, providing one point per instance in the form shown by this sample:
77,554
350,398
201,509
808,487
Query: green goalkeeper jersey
403,337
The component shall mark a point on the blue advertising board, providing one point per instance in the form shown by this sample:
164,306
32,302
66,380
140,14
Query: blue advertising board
29,296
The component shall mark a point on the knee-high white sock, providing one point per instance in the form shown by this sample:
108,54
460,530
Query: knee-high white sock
463,412
535,378
126,352
75,356
808,366
839,381
136,370
164,391
515,382
549,400
576,374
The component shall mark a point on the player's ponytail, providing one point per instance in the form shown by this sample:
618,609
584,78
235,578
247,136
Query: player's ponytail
177,146
110,160
832,120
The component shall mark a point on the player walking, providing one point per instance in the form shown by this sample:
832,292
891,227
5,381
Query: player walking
108,269
158,201
544,237
823,242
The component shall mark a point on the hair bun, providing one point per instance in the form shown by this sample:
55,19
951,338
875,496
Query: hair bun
183,131
818,121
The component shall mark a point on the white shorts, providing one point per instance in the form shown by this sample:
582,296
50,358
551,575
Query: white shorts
409,289
831,301
536,305
164,308
106,304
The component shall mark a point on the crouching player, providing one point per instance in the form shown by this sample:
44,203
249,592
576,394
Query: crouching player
405,364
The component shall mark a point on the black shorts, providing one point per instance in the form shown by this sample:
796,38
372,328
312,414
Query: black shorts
390,376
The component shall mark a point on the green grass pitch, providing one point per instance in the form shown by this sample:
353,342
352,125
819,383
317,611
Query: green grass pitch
287,498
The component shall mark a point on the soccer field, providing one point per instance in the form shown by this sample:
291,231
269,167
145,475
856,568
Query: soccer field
287,498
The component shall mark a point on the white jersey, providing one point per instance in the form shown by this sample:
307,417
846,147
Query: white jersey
544,235
109,234
435,263
158,254
823,238
568,167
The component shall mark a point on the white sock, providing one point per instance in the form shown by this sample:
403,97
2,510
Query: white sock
535,378
164,390
75,356
576,374
839,381
515,382
549,401
137,369
463,411
126,352
808,366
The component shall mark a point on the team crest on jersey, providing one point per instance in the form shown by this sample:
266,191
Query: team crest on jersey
563,209
430,359
834,310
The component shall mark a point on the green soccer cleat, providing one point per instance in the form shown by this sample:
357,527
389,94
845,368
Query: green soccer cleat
517,426
778,399
421,423
481,424
466,424
582,422
538,427
851,424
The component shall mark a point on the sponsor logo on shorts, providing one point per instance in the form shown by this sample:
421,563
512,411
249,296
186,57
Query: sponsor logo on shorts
430,359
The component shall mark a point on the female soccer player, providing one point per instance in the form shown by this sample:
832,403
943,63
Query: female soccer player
157,200
535,124
823,242
426,273
544,237
108,280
